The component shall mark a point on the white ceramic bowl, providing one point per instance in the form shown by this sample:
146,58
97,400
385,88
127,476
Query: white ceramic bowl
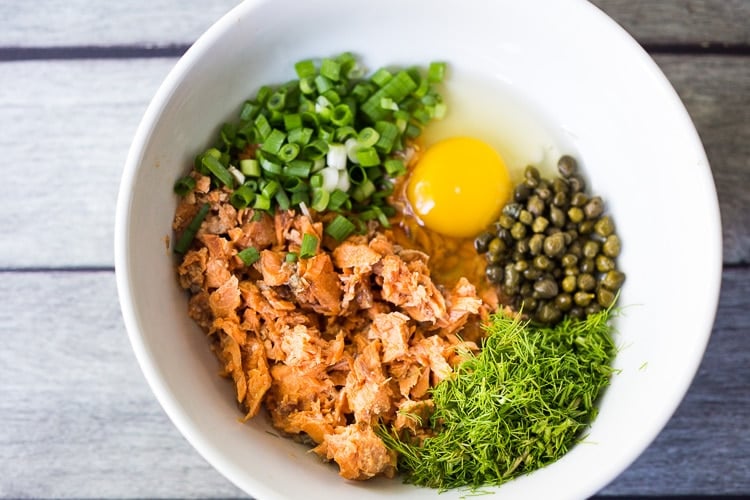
599,94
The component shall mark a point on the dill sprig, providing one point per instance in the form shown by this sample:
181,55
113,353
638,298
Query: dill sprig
518,405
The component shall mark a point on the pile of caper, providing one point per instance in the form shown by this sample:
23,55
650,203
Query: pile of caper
553,250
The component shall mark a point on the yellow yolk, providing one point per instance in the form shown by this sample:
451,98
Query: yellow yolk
459,187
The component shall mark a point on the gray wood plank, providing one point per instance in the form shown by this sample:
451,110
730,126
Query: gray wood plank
673,22
160,22
78,419
67,126
50,23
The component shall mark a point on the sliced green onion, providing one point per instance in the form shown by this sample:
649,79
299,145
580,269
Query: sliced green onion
277,101
218,170
293,184
336,156
262,126
436,72
262,202
249,111
242,197
340,228
288,152
184,185
368,157
270,189
273,141
337,199
363,191
332,96
300,136
250,167
263,94
397,88
357,174
331,69
305,68
388,103
290,257
367,137
188,235
342,115
270,166
292,121
381,77
308,247
282,200
388,134
314,150
394,167
249,255
343,133
320,200
362,91
297,168
307,85
299,197
322,84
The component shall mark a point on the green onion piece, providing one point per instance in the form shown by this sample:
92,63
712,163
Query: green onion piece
292,121
188,235
422,116
316,149
307,85
300,136
263,94
262,202
338,199
298,168
357,174
277,101
273,141
270,166
439,111
300,196
249,255
424,87
412,131
282,200
293,184
218,170
394,167
316,181
343,133
326,133
322,84
288,152
342,115
270,189
363,191
381,217
332,96
397,89
367,137
362,91
388,134
320,200
330,69
249,111
368,157
250,167
242,197
228,133
290,257
340,228
436,72
308,247
262,126
381,77
305,68
184,185
388,103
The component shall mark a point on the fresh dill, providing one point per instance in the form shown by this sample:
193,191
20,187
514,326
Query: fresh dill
518,405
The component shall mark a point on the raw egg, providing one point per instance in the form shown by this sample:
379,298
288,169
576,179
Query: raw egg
459,186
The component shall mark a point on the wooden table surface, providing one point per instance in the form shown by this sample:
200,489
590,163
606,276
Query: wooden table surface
76,416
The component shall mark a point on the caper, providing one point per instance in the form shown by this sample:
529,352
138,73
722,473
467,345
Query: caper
557,216
571,271
569,284
504,235
611,247
604,297
523,245
494,273
577,184
559,185
604,226
512,278
506,221
539,224
518,231
482,242
575,249
535,244
564,301
613,280
592,308
545,288
529,303
569,260
560,199
604,264
547,313
567,165
554,245
583,298
535,205
586,227
531,174
594,208
526,217
532,274
497,246
542,262
527,290
576,312
575,214
512,210
493,258
579,199
587,266
586,282
521,265
544,193
521,192
570,236
591,249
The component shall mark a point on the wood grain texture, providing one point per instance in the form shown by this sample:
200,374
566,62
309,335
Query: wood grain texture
82,115
161,22
78,419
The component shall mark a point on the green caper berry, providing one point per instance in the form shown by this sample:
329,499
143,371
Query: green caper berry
611,247
544,193
554,245
586,282
604,297
512,278
521,193
542,262
576,312
531,172
594,208
579,199
535,205
604,264
539,224
512,210
575,249
577,184
593,308
532,274
591,249
569,284
559,185
529,303
547,313
506,221
545,288
482,242
564,302
557,216
583,298
571,271
535,244
575,214
604,226
521,265
493,258
526,217
526,290
586,227
567,166
613,280
569,260
560,199
518,231
587,266
494,274
497,246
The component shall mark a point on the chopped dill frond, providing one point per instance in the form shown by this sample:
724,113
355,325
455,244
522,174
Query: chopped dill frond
518,405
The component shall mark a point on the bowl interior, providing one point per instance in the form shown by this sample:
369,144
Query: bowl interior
597,94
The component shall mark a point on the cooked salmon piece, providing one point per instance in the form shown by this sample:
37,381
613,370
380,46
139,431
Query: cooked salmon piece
226,299
367,390
358,451
392,330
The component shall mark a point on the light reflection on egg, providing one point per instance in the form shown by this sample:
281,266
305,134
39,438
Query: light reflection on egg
459,187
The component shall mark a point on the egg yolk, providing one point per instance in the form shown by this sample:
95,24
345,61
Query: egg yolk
459,186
